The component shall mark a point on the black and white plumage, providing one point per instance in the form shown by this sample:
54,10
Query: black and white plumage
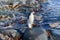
31,19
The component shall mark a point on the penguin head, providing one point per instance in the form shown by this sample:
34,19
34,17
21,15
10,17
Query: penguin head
31,13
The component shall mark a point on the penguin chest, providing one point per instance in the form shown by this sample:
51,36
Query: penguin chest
31,18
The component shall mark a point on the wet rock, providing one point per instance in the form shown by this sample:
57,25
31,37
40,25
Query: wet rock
22,21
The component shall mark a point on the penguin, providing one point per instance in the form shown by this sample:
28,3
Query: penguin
31,19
